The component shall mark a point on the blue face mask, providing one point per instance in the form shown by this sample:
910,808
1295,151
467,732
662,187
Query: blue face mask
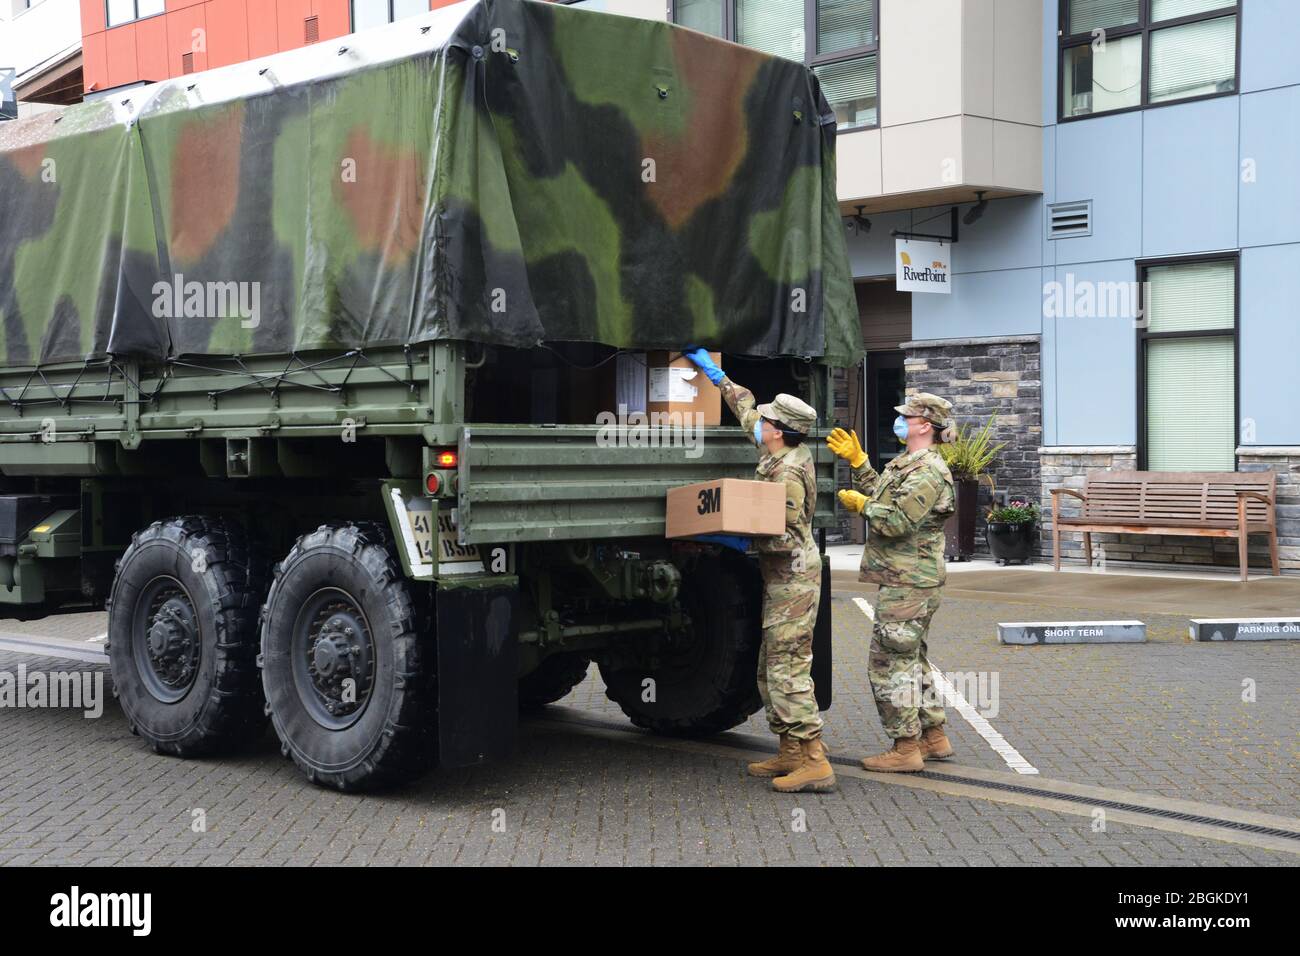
900,428
758,432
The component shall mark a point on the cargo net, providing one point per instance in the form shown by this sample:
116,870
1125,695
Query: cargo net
100,381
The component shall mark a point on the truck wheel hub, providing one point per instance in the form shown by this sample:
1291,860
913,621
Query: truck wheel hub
167,641
337,660
333,656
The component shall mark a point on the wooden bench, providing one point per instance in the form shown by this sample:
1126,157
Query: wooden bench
1211,504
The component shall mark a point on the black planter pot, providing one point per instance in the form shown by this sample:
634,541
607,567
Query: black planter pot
1010,542
959,530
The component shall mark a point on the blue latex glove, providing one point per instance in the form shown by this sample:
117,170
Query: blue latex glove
701,359
726,540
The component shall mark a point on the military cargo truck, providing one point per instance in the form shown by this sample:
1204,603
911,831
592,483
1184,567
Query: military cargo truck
300,362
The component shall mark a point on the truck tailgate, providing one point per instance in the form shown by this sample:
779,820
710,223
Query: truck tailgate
556,483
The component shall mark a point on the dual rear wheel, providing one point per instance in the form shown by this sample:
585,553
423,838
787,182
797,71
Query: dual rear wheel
341,657
338,660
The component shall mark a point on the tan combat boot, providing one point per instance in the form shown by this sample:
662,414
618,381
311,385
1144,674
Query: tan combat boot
787,759
813,773
934,744
904,757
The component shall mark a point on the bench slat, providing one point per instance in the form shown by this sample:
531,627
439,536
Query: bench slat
1202,504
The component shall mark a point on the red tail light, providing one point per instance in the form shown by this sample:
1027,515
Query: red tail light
432,482
447,459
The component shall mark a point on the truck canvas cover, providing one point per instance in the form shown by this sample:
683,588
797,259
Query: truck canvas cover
495,171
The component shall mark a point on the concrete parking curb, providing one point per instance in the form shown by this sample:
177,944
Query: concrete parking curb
1072,632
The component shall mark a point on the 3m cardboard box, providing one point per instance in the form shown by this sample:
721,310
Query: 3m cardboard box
726,506
678,386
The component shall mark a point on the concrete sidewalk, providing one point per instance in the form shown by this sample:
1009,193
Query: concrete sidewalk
1208,593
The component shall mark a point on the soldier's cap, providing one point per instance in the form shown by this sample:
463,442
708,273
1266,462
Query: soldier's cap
792,412
930,407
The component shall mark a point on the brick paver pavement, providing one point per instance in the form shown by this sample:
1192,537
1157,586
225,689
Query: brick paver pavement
79,791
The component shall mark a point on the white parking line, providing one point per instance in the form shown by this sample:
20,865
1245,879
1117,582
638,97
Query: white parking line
97,638
953,697
982,727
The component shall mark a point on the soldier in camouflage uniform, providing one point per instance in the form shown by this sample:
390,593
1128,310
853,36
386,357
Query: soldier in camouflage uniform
905,507
791,567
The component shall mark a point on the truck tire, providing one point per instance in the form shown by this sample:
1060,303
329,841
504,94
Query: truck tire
182,635
339,610
552,680
708,682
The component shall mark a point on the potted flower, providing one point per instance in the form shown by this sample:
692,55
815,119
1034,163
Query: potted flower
1011,530
968,456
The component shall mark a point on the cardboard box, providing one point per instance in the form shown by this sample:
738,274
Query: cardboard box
726,506
678,386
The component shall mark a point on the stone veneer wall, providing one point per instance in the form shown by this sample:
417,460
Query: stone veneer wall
983,377
1067,467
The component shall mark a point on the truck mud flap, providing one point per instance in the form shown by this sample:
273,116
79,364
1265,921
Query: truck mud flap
478,672
821,663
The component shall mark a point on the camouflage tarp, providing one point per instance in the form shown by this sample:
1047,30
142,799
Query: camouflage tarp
496,171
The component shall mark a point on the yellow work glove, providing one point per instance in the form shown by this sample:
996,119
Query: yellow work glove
846,445
855,501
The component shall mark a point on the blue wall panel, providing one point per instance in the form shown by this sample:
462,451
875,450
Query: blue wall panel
1101,159
1047,365
1189,177
1270,344
1270,141
873,254
1008,236
980,304
1270,37
1095,367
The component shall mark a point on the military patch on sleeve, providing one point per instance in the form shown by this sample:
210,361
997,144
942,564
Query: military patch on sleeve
916,504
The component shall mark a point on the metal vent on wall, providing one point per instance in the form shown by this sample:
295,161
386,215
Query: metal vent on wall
311,29
1069,220
187,62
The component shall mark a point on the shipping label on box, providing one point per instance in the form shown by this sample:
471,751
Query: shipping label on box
674,384
677,387
630,382
726,506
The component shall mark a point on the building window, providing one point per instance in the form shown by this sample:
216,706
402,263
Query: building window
1127,54
1188,365
843,52
375,13
124,11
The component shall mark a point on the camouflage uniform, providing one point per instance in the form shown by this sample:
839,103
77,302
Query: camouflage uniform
911,500
791,565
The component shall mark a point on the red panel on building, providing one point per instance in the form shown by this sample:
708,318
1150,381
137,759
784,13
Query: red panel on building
292,23
187,32
230,31
94,62
227,31
151,49
92,17
263,30
122,67
335,17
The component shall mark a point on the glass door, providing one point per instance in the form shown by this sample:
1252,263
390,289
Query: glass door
884,389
